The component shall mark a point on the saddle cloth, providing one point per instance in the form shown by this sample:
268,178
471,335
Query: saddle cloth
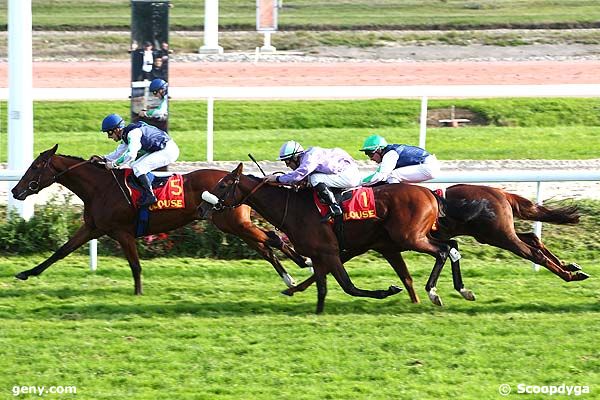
168,191
357,204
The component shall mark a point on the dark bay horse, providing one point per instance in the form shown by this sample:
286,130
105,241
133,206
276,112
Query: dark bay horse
108,212
500,231
406,214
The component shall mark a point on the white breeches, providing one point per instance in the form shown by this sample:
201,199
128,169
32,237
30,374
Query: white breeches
348,178
155,160
416,173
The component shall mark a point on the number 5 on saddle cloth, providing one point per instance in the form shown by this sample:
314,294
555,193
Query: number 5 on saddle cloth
168,191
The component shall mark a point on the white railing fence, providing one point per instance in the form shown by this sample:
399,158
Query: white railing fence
538,176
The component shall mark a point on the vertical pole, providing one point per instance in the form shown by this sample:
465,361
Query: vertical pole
20,100
93,254
537,225
423,122
209,128
211,28
267,48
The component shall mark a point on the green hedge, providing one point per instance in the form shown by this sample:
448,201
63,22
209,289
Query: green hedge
53,224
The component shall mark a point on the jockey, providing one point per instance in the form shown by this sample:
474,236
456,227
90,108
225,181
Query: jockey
398,162
154,148
323,168
159,88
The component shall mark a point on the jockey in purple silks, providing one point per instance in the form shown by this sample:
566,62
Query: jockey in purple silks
323,168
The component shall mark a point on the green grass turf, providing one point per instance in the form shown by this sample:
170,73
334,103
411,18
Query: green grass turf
207,329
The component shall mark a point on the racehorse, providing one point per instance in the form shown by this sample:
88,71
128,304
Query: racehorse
405,217
500,231
107,211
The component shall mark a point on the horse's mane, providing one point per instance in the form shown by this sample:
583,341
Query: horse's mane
75,157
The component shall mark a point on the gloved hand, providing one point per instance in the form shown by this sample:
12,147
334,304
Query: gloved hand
97,159
270,179
110,165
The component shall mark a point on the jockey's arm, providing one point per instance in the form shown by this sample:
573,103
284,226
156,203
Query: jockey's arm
387,165
132,149
307,165
160,113
121,148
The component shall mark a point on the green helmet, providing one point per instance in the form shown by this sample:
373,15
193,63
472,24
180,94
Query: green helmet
373,143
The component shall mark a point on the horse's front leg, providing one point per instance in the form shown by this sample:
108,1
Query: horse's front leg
457,275
83,235
127,242
341,276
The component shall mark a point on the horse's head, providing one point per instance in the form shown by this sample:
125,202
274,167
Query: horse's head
38,176
224,195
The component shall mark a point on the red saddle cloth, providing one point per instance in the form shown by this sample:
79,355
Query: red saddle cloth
170,195
360,205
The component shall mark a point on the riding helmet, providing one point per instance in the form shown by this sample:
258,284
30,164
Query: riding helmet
290,149
112,121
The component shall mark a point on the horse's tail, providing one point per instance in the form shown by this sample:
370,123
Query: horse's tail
465,210
526,209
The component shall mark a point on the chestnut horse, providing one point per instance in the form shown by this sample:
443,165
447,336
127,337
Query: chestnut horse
107,211
406,215
500,231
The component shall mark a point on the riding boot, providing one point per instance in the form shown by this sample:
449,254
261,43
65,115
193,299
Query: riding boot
327,198
148,197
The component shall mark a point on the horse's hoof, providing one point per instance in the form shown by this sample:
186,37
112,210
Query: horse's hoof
394,289
288,280
467,294
580,276
22,276
435,299
287,292
574,267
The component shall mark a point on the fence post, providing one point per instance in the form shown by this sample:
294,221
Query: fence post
209,128
93,254
537,225
423,122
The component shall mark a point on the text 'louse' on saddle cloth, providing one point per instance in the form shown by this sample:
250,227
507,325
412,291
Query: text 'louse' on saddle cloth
170,194
360,205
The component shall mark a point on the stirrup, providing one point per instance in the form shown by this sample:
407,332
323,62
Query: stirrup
148,200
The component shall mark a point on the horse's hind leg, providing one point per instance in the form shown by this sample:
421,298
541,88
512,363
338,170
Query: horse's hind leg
532,240
457,276
397,262
536,255
83,235
127,242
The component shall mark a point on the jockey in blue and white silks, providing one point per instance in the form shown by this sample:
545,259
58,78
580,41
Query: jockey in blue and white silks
143,148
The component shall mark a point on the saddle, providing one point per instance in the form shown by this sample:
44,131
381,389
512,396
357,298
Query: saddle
168,190
357,203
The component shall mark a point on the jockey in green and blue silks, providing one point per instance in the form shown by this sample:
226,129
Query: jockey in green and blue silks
154,147
160,89
398,162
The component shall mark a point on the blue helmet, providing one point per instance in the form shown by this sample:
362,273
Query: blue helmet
158,84
112,121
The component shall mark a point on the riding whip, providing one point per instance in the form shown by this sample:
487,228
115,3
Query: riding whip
256,162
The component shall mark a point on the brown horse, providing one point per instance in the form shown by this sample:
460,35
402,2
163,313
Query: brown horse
107,211
500,231
406,215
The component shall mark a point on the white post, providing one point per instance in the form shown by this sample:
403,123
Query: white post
268,48
211,28
537,225
93,254
423,122
210,102
20,99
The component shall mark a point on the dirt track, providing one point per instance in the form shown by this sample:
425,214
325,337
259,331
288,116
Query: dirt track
182,74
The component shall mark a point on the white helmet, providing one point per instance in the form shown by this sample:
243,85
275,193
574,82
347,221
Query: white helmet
290,149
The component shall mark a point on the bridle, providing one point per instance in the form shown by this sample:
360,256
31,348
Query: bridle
34,184
230,192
